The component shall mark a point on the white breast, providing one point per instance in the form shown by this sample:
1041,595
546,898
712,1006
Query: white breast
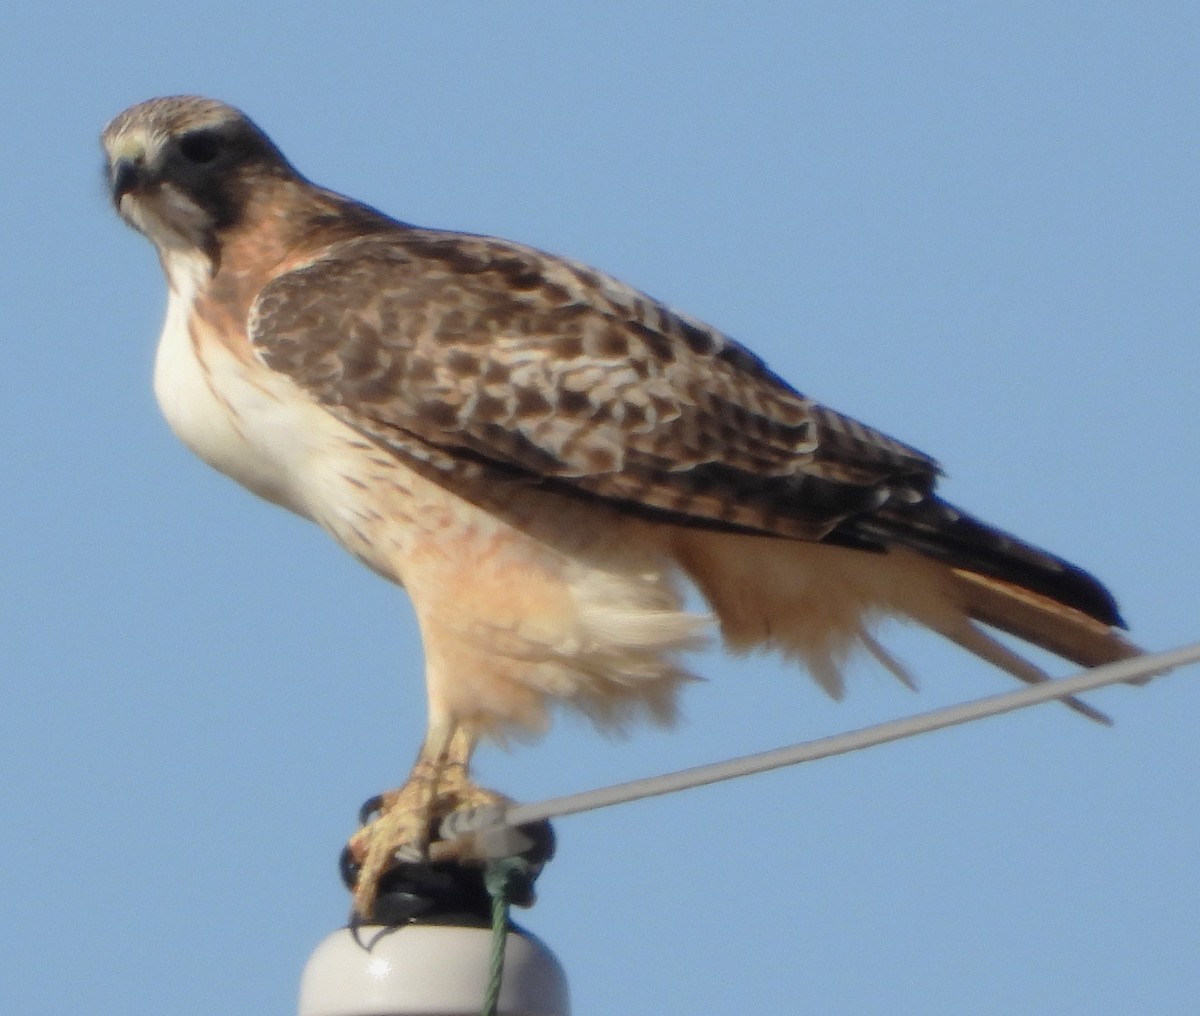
252,424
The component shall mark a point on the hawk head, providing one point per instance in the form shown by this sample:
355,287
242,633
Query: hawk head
182,169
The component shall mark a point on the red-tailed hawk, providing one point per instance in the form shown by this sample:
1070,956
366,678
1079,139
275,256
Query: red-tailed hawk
539,454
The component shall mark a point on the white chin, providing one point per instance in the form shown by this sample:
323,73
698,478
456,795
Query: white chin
170,220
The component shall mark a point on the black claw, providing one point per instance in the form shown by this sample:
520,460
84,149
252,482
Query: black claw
348,868
369,809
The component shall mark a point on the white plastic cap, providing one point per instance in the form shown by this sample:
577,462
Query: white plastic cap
428,970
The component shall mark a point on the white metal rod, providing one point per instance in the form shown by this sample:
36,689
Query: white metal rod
894,730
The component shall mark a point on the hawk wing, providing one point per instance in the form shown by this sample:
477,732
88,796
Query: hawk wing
469,353
466,352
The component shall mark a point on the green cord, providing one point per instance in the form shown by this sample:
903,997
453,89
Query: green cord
499,877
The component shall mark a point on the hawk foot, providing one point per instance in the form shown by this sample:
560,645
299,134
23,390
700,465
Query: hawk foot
405,827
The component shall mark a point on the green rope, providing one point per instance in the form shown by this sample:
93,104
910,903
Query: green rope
499,877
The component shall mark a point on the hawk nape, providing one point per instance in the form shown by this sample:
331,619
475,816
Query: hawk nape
538,453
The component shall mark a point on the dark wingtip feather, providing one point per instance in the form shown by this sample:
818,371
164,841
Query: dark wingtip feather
942,532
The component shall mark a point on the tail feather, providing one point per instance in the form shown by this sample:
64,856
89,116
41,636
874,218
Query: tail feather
886,659
1062,630
942,532
816,603
1009,585
974,639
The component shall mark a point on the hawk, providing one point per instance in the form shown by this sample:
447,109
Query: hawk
544,458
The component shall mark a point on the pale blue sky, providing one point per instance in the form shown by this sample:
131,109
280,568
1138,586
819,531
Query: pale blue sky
974,226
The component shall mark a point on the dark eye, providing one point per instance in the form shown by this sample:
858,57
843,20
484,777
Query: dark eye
200,146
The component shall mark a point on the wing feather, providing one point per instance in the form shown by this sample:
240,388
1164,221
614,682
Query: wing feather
459,351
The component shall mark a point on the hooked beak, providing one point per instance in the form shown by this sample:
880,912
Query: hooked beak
125,176
132,165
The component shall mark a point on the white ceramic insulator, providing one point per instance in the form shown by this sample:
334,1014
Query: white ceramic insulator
428,970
